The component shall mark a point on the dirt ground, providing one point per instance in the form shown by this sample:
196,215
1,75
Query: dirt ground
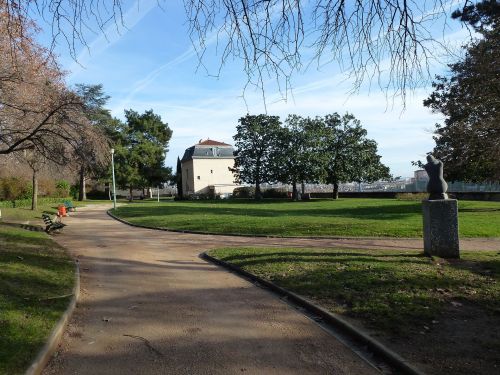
150,305
466,340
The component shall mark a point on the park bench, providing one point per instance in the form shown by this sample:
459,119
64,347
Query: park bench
51,225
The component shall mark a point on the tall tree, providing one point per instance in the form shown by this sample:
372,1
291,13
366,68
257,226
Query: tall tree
141,150
367,166
350,156
93,151
298,152
469,140
255,155
178,179
37,111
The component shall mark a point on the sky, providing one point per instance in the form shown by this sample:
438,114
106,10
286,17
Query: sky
151,64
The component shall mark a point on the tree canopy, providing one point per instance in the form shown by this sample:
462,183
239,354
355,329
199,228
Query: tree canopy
297,156
92,154
37,111
349,155
141,149
331,149
469,140
255,142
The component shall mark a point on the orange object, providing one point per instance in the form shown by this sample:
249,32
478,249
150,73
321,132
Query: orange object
62,210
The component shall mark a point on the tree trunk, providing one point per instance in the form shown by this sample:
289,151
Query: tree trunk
303,186
295,193
335,190
131,192
34,196
258,194
82,195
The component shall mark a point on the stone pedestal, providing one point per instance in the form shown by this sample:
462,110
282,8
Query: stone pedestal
441,228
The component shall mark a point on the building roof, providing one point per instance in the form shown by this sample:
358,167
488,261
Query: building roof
208,149
210,142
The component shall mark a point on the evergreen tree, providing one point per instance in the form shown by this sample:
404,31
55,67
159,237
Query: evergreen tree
255,155
349,155
298,156
468,142
178,179
141,150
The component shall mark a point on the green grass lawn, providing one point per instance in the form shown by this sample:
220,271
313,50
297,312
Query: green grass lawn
32,270
343,217
22,214
392,290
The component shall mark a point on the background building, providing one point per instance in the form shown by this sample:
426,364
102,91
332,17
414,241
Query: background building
206,169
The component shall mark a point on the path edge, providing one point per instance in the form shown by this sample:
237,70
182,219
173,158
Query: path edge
54,339
360,335
256,235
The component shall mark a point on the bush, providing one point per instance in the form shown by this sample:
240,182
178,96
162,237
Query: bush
12,188
62,188
74,190
274,193
46,187
97,194
244,192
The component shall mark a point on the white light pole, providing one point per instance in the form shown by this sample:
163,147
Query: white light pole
158,193
113,171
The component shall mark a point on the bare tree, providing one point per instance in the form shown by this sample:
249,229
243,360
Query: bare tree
390,41
37,111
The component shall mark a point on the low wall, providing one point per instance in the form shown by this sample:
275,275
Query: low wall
472,196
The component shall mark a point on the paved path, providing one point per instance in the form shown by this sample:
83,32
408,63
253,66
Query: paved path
150,305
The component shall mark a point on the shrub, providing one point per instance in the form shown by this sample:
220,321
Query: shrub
12,188
97,194
274,193
244,192
46,187
62,188
73,191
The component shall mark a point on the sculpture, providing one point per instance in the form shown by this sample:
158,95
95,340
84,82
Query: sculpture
437,186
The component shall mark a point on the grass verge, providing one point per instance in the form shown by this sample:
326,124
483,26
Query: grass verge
344,217
441,314
33,270
24,214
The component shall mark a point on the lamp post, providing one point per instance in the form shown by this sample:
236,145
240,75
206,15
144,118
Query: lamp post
113,171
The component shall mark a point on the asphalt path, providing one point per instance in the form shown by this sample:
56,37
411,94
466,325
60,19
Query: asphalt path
149,305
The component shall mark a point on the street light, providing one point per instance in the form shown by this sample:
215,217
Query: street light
113,169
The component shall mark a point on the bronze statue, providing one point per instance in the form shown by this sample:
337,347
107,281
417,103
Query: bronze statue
437,186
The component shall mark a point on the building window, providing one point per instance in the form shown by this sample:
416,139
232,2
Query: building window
198,177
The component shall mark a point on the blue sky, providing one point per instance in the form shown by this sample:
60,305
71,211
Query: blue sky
151,65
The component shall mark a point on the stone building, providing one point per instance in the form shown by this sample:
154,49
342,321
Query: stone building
205,169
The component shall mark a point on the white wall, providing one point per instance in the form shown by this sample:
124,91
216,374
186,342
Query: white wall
198,174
